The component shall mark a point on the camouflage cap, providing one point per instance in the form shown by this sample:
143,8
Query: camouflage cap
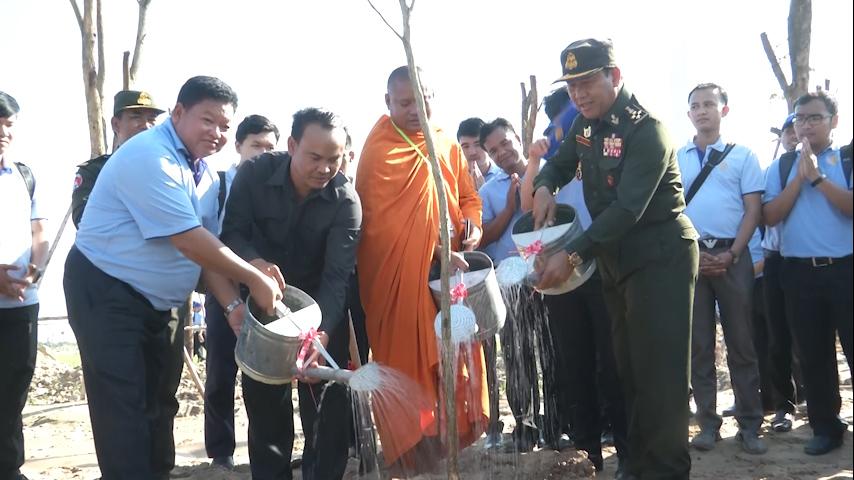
133,99
586,57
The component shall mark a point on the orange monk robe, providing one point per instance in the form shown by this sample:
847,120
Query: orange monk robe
400,228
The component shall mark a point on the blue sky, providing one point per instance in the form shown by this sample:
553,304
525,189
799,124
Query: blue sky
281,56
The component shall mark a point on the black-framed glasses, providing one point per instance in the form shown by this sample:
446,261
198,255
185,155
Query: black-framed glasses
813,119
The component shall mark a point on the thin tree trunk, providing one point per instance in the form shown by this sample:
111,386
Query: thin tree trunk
140,38
448,350
94,109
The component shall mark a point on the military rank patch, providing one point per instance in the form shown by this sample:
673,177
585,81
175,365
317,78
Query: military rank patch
612,146
636,114
582,140
78,180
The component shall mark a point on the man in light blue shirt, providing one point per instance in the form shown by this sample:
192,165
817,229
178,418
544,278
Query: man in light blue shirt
481,168
523,330
808,194
23,253
725,210
255,135
149,224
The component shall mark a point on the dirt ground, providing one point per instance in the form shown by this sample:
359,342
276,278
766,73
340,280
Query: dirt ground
59,440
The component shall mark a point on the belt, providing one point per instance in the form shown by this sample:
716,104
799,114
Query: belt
770,253
820,261
710,243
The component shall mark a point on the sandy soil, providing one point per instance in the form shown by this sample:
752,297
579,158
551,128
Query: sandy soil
59,441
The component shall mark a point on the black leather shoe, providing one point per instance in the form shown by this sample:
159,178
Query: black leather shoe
821,444
226,462
782,422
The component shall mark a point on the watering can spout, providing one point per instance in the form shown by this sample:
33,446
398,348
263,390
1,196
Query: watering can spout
328,374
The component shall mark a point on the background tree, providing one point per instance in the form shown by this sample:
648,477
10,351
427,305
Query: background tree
800,29
91,26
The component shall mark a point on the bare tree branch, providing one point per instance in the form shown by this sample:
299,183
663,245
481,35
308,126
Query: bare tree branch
800,27
99,36
77,14
775,65
126,70
382,17
140,38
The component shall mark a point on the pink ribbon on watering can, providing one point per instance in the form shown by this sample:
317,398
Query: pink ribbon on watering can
307,338
532,249
458,293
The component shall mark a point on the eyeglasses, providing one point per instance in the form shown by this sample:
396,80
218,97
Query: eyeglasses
813,119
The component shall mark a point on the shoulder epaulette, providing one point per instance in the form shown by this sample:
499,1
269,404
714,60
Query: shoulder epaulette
635,113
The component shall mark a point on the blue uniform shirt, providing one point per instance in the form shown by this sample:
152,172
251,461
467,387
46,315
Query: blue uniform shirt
493,194
718,207
493,171
754,247
16,216
572,194
814,227
145,194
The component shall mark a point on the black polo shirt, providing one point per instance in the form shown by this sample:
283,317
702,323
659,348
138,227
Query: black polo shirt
312,241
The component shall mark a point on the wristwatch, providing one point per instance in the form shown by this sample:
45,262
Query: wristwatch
818,180
575,259
37,272
231,306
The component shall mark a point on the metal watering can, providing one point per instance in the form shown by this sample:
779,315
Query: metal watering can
567,227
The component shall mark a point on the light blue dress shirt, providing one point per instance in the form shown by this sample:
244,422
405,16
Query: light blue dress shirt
145,194
718,207
814,227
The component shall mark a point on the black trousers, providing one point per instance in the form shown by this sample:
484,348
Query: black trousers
761,344
127,351
581,329
821,304
783,362
325,413
221,371
18,345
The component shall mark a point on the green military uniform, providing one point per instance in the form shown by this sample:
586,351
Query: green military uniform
84,181
647,254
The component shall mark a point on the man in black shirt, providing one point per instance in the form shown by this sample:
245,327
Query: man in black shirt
295,213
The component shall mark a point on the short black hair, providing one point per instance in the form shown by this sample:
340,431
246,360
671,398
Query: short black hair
253,125
829,101
555,102
322,117
201,88
8,105
470,127
721,93
490,127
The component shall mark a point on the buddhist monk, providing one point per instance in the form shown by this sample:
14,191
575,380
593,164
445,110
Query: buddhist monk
400,240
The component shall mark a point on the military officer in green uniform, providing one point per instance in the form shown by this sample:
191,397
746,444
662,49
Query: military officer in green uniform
133,112
645,248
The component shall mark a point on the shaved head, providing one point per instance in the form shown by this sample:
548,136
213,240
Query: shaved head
401,74
401,100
